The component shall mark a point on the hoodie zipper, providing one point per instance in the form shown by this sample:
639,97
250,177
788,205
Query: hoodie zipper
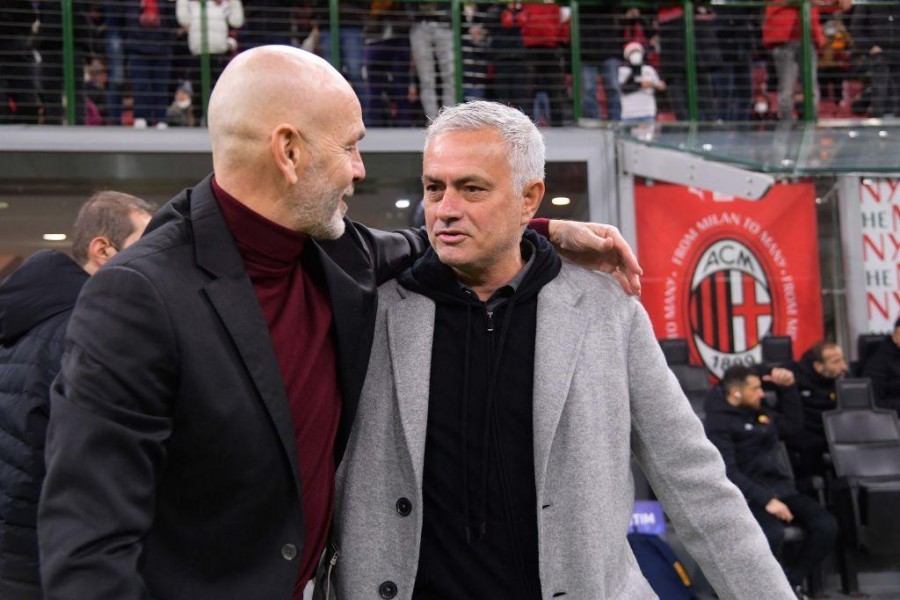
490,321
331,565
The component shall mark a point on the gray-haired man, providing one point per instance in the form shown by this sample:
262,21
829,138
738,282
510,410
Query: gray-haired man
505,394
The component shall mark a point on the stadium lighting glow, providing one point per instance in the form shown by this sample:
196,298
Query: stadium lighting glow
560,201
54,237
402,203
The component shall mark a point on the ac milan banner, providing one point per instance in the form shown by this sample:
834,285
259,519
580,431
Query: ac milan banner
724,272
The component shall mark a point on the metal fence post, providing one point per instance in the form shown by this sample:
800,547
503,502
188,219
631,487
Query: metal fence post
69,59
456,20
334,27
809,84
690,60
204,57
575,43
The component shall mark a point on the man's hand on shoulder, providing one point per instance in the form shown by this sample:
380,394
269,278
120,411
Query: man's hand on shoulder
599,247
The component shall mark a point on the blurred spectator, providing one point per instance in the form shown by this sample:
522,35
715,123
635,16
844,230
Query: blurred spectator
781,33
351,17
710,61
19,102
761,109
220,16
883,368
639,83
876,31
545,34
673,66
180,113
834,62
431,40
476,43
816,372
738,36
747,434
605,29
507,50
148,28
48,42
96,108
35,304
386,102
113,43
268,22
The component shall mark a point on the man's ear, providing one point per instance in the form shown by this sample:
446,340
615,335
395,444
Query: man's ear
819,366
533,194
289,151
99,251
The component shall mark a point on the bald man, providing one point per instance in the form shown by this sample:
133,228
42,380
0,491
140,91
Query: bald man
213,370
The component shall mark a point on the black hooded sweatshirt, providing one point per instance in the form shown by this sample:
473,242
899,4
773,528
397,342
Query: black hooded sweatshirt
35,304
479,533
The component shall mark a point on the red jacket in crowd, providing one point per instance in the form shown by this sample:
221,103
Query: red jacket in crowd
782,24
542,26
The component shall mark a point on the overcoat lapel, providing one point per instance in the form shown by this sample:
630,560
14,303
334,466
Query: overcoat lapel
232,297
561,327
410,325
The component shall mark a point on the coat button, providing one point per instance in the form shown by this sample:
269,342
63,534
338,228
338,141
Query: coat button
387,590
289,552
404,507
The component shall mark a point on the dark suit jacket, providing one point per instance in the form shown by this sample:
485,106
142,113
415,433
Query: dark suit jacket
171,460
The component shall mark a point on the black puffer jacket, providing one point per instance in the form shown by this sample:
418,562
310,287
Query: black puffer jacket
35,304
748,440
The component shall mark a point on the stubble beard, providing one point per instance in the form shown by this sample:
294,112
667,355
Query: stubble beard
322,211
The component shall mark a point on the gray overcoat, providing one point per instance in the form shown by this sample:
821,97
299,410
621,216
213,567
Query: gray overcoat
602,391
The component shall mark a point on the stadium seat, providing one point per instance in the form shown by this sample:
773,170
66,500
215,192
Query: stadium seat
675,350
777,350
695,383
864,444
866,344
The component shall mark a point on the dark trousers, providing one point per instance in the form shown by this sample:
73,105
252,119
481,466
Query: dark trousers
819,528
150,79
385,102
547,74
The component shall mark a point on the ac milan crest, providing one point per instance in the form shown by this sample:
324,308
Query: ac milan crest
730,306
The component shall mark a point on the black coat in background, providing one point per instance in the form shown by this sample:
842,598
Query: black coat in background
35,304
171,457
883,368
748,440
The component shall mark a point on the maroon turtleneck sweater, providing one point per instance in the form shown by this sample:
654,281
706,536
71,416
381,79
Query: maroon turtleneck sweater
291,292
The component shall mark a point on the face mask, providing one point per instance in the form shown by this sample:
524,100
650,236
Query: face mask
761,108
183,104
636,58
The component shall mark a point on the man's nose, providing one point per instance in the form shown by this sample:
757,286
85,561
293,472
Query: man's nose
359,169
449,206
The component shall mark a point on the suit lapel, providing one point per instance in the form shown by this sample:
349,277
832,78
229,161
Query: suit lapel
410,328
561,327
232,297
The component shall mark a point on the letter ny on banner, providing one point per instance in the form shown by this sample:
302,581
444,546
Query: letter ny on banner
880,213
725,272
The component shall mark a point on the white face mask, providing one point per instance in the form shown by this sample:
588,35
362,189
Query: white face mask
636,58
761,108
183,104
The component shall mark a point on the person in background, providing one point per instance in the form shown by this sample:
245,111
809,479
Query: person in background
883,368
816,373
875,30
386,100
639,83
221,15
180,112
36,302
545,34
781,34
748,435
431,42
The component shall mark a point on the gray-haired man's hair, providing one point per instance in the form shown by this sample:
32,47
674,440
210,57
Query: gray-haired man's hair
524,142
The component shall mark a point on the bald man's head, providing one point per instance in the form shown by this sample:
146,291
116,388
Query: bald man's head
264,87
285,129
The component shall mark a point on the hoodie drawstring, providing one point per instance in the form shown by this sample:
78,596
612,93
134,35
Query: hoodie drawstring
464,420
